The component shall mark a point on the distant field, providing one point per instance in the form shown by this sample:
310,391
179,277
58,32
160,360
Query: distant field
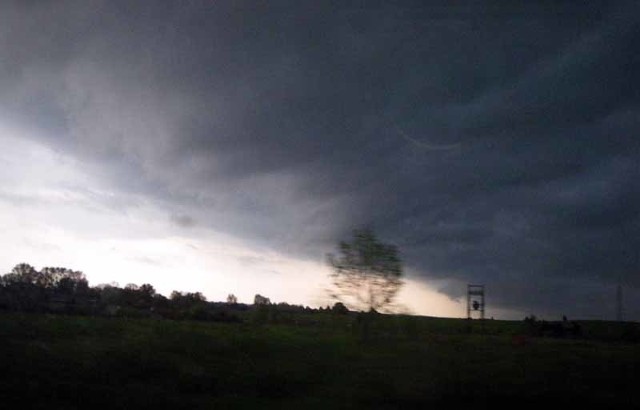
60,362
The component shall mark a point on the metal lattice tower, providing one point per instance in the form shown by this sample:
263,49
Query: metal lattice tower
475,300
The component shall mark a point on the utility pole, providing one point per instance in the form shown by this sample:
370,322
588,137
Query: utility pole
619,303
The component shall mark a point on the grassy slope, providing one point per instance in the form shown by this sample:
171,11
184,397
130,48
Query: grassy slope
77,362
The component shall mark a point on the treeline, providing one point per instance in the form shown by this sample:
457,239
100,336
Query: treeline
62,290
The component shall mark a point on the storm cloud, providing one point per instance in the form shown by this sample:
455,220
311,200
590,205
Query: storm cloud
493,144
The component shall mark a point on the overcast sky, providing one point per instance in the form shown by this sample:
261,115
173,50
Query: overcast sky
227,146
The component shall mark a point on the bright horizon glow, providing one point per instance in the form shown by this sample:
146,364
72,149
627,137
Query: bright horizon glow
53,212
184,264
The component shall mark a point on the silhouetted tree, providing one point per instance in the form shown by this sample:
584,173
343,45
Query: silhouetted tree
339,308
63,279
111,295
26,288
146,292
23,289
367,273
187,299
232,299
22,273
133,296
261,300
71,283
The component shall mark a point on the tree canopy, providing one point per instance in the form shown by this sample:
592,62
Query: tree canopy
366,274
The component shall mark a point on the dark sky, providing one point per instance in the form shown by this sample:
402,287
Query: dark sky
493,142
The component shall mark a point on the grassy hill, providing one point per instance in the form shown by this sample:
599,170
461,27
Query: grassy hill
55,361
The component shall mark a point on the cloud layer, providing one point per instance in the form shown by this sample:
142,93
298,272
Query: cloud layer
492,145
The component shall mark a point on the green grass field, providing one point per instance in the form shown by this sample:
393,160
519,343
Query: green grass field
51,361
